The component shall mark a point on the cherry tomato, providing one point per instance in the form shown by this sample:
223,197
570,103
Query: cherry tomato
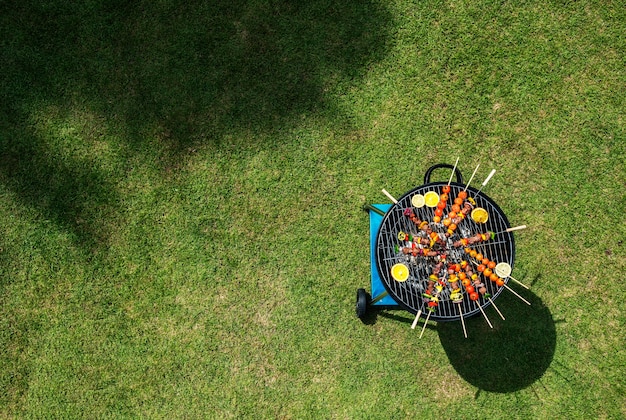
473,253
439,212
432,304
462,275
452,226
470,289
485,261
441,205
456,208
437,219
443,197
463,195
446,222
480,268
492,264
487,272
446,189
468,250
500,282
474,296
466,282
494,277
452,214
479,257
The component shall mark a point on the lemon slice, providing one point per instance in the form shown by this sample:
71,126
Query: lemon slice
503,270
418,201
431,199
480,215
400,272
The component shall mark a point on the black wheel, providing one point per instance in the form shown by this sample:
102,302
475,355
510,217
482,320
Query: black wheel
362,302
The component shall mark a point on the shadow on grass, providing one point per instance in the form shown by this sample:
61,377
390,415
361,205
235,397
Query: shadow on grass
511,356
168,76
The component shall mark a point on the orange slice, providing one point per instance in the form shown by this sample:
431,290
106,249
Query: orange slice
480,215
418,200
431,199
503,270
400,272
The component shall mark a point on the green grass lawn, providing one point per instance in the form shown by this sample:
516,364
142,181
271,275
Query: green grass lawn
181,192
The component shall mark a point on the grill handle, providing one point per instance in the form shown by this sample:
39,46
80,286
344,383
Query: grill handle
459,177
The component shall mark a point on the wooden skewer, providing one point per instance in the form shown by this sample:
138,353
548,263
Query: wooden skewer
520,283
453,169
430,312
389,196
484,314
496,308
493,171
512,291
472,177
515,293
417,317
462,321
425,322
511,229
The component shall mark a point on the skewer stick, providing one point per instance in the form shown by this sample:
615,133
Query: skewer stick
484,314
496,308
472,177
429,313
462,321
425,323
453,169
512,291
417,317
520,283
511,229
515,293
389,196
493,171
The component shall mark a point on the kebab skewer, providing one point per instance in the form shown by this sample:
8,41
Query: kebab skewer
472,289
462,320
472,177
435,299
496,308
452,174
493,171
389,196
443,198
499,281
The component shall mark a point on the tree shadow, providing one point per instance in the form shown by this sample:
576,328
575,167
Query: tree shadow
195,70
509,357
167,77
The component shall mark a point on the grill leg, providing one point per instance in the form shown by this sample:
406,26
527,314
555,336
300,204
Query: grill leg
369,207
379,297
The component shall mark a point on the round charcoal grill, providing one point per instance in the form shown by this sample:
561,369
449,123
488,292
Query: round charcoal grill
410,293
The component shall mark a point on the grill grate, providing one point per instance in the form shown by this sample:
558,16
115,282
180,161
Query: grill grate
409,294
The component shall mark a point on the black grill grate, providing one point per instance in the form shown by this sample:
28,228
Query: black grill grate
409,294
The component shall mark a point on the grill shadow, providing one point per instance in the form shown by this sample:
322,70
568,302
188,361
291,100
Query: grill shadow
509,357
